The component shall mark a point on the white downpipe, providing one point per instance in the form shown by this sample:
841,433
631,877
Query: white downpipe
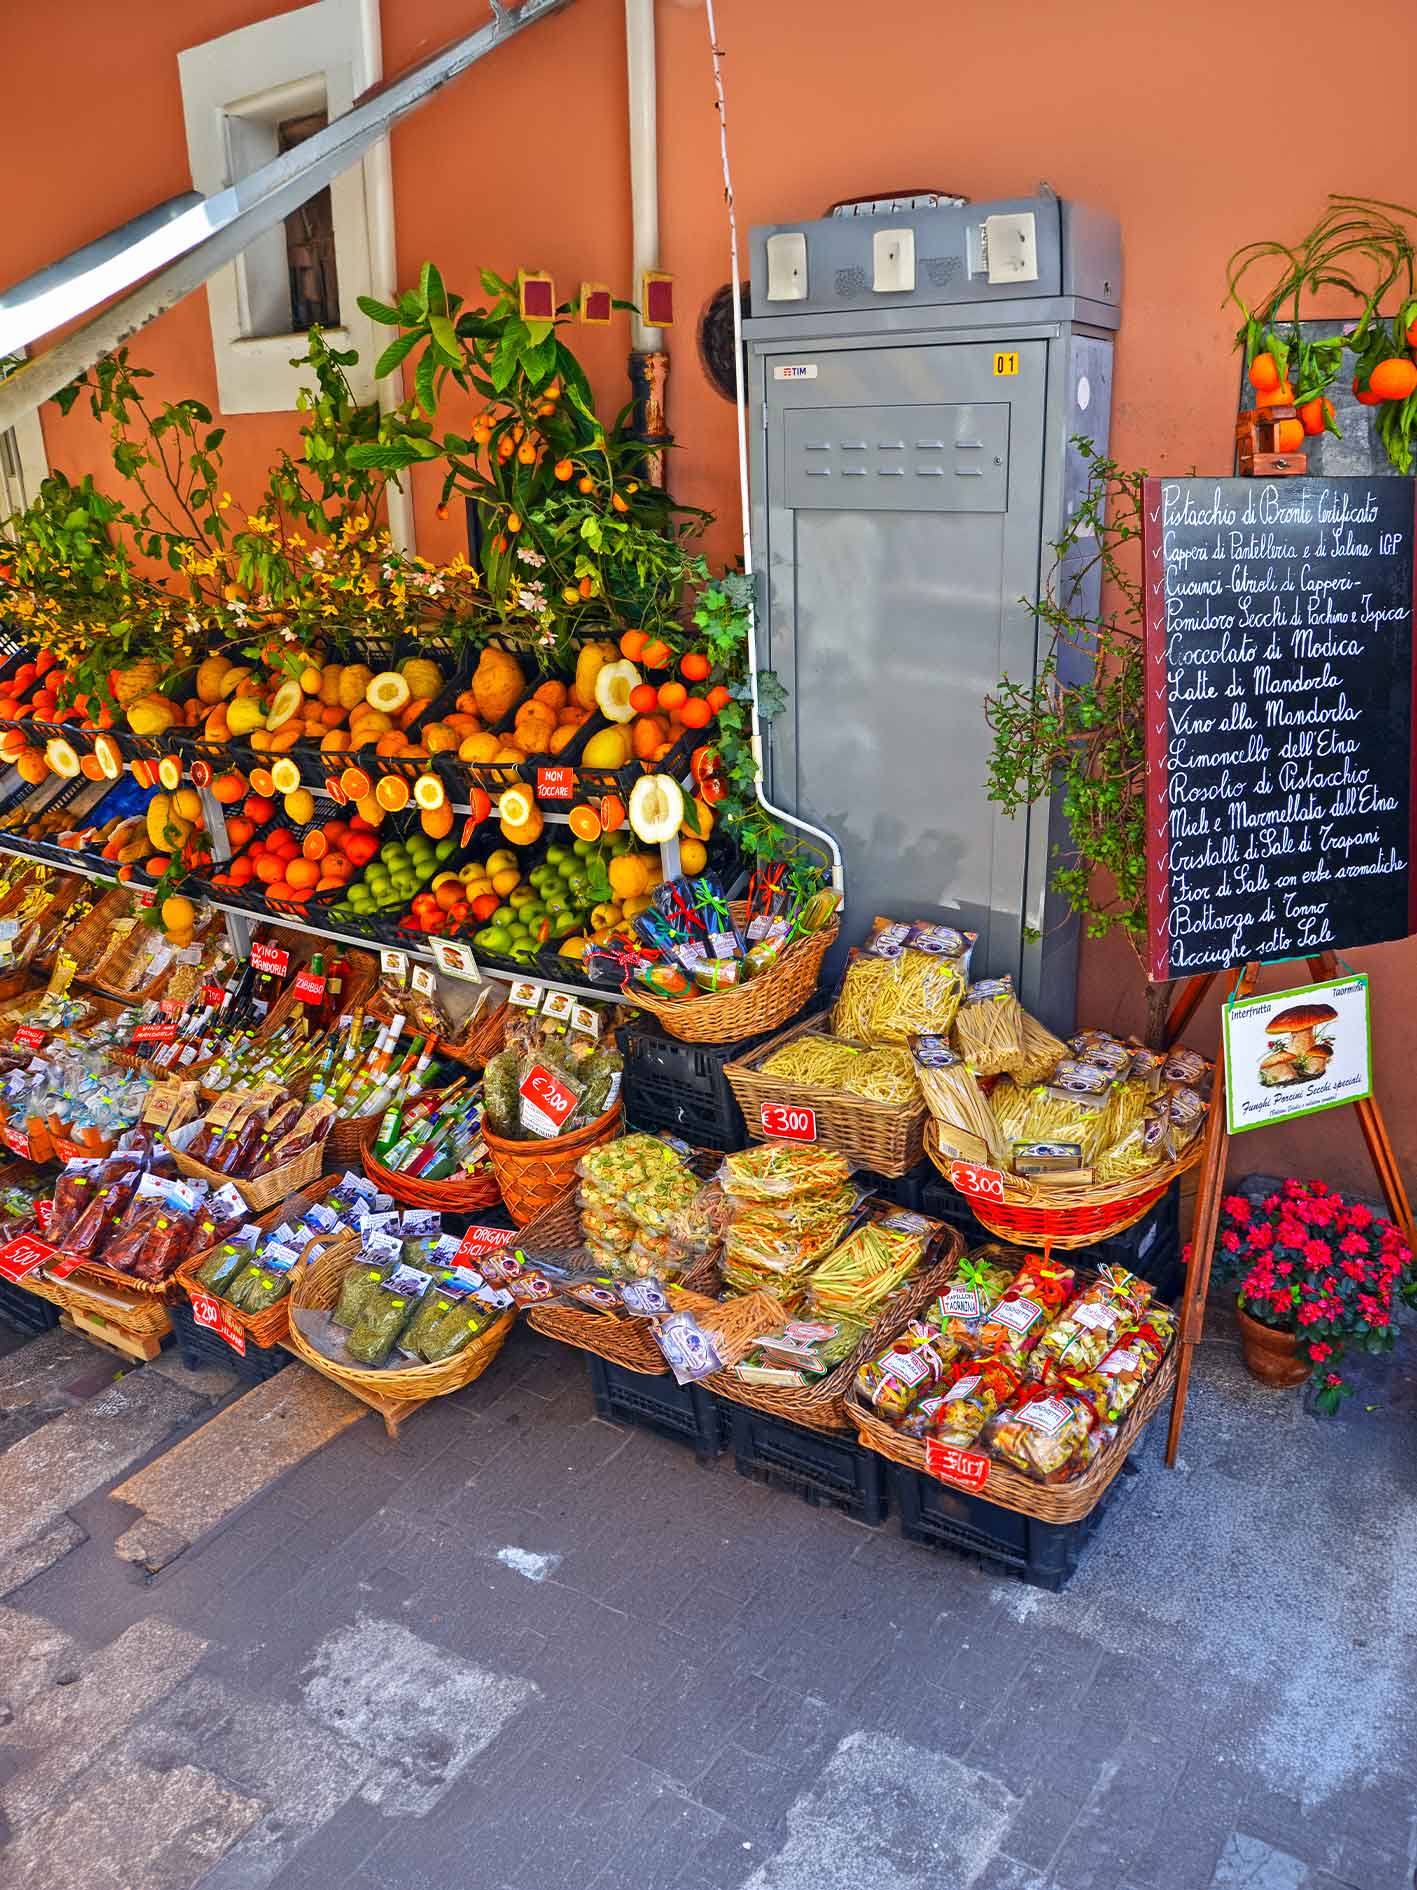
383,265
644,158
741,401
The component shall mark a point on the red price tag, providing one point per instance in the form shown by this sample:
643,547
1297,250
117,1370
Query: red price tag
270,958
480,1240
68,1151
66,1264
978,1184
555,784
147,899
16,1143
548,1094
29,1037
789,1120
212,1314
213,994
309,987
22,1255
154,1033
43,1212
966,1469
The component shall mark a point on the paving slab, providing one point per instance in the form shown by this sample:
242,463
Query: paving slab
20,1565
237,1454
32,1651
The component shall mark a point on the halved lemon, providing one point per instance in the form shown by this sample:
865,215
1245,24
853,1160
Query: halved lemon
289,701
355,783
169,773
613,684
109,758
62,757
285,775
391,792
656,808
429,792
388,691
516,806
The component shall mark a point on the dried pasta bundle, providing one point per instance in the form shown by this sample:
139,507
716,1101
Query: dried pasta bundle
820,1062
967,1126
1041,1054
988,1028
861,987
886,1075
779,1171
921,996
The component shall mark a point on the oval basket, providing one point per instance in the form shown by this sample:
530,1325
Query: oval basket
1046,1502
450,1197
616,1336
821,1406
887,1138
318,1290
265,1191
532,1176
269,1327
764,1003
1036,1217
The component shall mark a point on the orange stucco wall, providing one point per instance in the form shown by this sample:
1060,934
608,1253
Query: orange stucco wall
1135,108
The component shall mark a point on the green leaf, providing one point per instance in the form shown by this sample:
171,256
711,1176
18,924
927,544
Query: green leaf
445,337
396,353
423,382
384,458
378,311
431,291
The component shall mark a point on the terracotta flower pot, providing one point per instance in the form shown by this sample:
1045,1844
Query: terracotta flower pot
1272,1357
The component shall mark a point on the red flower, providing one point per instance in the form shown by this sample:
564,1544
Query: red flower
1352,1243
1317,1253
1318,1351
1261,1236
1333,1378
1237,1207
1230,1241
1284,1267
1358,1215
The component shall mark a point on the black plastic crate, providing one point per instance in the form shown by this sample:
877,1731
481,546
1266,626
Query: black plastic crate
907,1190
681,1088
1043,1554
26,1312
656,1399
1151,1249
820,1467
200,1346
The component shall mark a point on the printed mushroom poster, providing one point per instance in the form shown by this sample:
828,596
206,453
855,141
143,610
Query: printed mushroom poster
1291,1053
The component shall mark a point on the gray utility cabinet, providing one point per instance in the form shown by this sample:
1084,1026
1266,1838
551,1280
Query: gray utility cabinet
917,379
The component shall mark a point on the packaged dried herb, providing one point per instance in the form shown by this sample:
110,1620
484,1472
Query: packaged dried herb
376,1331
359,1285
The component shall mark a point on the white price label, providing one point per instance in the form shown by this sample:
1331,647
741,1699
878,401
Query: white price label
423,981
456,959
394,965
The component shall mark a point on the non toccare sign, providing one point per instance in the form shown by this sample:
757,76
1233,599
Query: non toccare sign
1279,750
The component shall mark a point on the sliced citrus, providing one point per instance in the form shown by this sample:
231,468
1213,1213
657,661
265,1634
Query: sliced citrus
392,793
263,783
479,803
612,813
429,792
516,806
62,757
285,775
289,701
356,784
614,685
656,808
584,823
169,772
388,691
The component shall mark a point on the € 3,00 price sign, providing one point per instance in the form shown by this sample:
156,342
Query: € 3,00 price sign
792,1121
978,1184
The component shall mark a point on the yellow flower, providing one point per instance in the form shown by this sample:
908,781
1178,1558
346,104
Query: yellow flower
223,502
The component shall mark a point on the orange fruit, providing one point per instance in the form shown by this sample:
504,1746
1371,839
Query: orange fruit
1280,396
563,469
315,845
392,793
269,869
229,788
355,783
1288,436
302,872
632,644
258,808
1394,379
647,735
644,698
238,831
672,695
1315,414
656,654
612,813
584,823
1366,396
718,698
695,666
696,712
1264,372
262,782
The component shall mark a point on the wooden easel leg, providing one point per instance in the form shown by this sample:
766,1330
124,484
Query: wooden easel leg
1186,1006
1373,1126
1212,1182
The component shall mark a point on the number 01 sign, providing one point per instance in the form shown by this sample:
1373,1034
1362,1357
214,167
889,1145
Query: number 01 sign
791,1121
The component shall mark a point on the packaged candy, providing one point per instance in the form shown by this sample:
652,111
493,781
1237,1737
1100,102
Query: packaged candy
980,1282
1078,1338
971,1392
1040,1290
1040,1431
689,1349
893,1380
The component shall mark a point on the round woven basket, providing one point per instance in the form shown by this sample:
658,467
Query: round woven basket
1073,1217
532,1176
270,1327
318,1289
747,1010
449,1197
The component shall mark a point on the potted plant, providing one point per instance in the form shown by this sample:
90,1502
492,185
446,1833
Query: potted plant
1315,1273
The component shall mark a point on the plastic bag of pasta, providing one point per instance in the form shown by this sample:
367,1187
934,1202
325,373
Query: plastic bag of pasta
930,970
1078,1338
895,1378
970,1393
980,1282
1016,1323
376,1331
966,1127
988,1028
782,1171
862,982
697,1228
1040,1431
359,1285
1117,1380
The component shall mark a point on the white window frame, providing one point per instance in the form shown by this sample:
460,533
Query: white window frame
235,91
24,463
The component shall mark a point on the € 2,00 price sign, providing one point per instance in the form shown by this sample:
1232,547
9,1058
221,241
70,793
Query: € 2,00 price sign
214,1316
548,1094
792,1121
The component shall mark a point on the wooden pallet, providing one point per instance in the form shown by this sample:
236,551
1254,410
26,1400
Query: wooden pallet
135,1346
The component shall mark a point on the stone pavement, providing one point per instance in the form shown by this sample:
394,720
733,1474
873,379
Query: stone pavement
522,1649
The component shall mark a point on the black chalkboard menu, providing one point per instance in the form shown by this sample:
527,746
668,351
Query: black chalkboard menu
1279,685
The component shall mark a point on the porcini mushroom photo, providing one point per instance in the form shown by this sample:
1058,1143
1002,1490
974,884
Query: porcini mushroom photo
1297,1051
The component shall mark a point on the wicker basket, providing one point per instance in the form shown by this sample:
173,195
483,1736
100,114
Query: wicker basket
748,1010
1031,1216
887,1138
363,976
532,1176
272,1327
137,1317
616,1336
348,1139
483,1040
463,1196
266,1191
1046,1502
110,974
821,1406
88,940
391,1390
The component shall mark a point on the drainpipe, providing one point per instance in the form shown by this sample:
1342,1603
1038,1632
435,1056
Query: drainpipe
649,364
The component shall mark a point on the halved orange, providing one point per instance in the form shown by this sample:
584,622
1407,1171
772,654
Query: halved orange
356,783
612,813
315,845
262,783
391,792
584,823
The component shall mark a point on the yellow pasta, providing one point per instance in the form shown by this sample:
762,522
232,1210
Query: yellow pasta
856,1002
919,999
988,1028
1042,1052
